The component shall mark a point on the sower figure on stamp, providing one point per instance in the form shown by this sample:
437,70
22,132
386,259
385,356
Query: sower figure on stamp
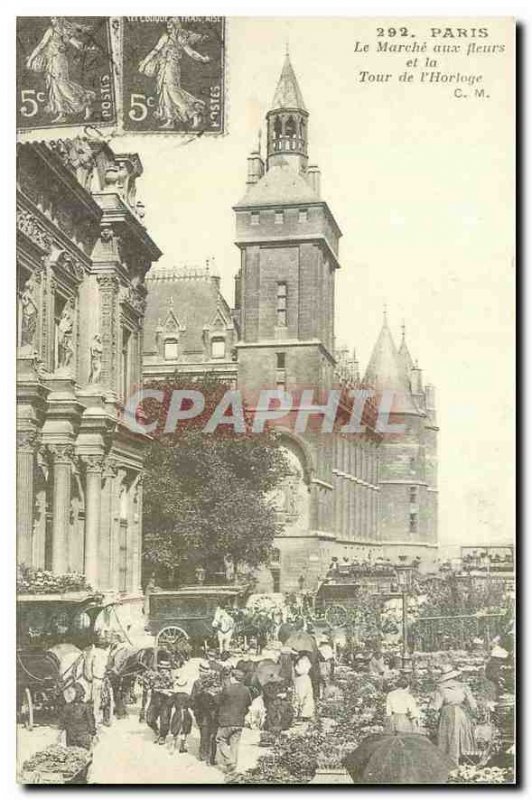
174,104
64,96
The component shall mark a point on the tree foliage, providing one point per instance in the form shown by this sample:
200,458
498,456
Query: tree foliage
207,497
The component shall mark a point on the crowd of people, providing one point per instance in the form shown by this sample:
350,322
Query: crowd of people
222,691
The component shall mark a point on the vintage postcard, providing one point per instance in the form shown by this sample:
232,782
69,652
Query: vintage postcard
265,401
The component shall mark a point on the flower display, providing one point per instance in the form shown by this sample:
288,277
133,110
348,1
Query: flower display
41,581
56,758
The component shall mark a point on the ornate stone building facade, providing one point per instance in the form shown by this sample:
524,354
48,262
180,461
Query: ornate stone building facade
82,257
349,496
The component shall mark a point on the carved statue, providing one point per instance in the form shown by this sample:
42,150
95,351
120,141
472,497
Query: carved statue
29,314
65,347
96,351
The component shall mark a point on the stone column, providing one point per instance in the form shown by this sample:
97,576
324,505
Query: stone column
25,462
135,539
106,523
93,501
62,465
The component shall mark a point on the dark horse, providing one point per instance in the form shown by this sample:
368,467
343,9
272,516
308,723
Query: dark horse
124,667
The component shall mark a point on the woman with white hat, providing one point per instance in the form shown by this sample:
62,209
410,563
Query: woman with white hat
455,730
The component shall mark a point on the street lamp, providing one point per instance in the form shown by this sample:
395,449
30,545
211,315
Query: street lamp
404,579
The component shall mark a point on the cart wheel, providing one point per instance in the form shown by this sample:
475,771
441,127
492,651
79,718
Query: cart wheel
336,616
27,709
171,637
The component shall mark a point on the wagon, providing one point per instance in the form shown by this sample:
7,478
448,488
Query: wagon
338,595
42,622
185,615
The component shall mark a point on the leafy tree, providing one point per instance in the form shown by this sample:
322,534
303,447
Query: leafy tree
207,496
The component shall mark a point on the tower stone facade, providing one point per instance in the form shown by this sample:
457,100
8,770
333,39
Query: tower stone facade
348,496
408,460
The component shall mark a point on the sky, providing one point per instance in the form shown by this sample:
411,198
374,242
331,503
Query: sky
422,186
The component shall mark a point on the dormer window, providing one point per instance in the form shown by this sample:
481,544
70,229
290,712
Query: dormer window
171,349
279,217
218,347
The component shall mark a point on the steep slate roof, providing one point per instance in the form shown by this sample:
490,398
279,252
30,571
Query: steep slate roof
288,94
193,302
404,353
386,371
281,185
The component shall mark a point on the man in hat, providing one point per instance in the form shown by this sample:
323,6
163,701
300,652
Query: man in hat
205,696
235,700
158,715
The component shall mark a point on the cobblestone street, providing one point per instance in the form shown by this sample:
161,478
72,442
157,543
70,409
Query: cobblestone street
127,749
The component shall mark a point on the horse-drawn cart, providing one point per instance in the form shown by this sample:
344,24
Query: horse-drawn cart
184,617
44,622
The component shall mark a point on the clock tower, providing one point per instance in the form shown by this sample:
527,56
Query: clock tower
288,239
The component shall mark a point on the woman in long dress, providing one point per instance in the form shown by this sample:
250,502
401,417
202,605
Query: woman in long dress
64,96
174,104
455,730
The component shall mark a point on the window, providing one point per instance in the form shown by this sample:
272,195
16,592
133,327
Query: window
413,494
255,217
125,362
413,522
412,464
290,127
281,304
279,217
303,215
281,360
171,349
218,347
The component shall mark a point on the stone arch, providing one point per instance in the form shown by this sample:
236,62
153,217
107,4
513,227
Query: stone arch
292,497
296,444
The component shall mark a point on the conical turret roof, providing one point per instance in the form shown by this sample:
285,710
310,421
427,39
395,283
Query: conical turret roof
404,353
288,94
386,371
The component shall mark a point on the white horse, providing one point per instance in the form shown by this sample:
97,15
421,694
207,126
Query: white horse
86,667
224,625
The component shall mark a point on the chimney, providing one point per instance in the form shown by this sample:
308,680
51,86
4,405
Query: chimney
314,178
255,168
416,380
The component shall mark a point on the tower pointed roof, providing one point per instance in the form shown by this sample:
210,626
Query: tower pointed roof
406,358
288,94
385,371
